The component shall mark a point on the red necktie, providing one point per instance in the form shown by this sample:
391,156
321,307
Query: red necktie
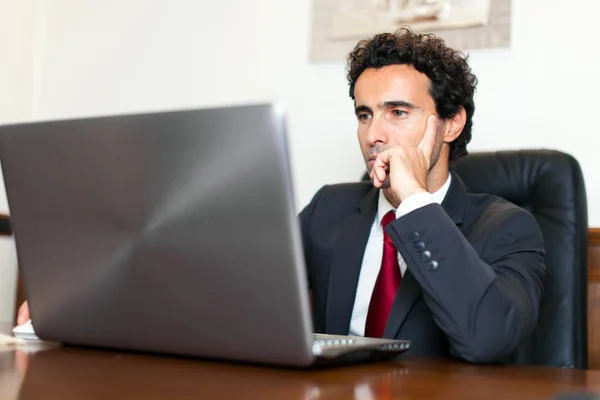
386,286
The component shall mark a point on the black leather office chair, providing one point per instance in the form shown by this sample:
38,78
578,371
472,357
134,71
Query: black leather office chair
550,185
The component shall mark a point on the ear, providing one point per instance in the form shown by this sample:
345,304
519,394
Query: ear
454,126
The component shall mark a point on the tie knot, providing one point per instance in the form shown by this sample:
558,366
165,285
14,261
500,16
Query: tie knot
387,218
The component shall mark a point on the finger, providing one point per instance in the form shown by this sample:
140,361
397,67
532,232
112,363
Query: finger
23,315
380,167
428,142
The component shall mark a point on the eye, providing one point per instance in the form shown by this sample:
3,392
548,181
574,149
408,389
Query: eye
398,113
363,116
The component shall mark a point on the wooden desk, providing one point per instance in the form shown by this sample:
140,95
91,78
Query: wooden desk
47,372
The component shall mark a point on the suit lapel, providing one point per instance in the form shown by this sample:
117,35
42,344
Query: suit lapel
455,201
454,204
346,264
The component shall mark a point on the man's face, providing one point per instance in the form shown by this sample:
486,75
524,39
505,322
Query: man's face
392,106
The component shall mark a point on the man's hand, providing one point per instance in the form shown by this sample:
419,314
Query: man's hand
407,166
23,315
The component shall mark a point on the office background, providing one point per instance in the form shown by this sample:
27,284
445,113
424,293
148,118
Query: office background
73,58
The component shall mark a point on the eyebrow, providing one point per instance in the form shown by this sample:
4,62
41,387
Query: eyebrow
362,109
386,104
397,103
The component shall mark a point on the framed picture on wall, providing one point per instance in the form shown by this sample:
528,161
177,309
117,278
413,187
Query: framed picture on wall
465,24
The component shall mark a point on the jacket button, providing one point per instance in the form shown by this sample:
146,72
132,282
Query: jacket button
426,255
414,236
419,246
433,265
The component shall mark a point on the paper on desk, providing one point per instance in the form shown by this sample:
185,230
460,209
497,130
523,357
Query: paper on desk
25,331
7,340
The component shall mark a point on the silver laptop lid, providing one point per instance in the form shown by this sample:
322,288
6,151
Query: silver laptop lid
170,232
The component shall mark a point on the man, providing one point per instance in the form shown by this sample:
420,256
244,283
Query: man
413,255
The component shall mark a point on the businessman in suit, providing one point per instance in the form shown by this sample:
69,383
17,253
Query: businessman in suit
412,254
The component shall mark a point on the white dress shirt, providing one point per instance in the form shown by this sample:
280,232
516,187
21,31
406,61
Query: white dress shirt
374,251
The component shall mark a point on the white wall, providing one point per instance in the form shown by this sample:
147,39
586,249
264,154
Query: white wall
98,57
139,55
122,56
16,93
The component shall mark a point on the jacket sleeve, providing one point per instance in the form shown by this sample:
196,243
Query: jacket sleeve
486,305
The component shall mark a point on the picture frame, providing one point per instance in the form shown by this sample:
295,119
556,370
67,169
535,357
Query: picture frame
338,25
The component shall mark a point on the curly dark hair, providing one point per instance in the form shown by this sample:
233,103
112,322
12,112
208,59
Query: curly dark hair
452,82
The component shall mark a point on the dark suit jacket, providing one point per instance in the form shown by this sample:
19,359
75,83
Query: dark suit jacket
475,266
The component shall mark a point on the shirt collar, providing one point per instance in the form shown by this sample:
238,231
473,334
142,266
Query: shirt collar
384,206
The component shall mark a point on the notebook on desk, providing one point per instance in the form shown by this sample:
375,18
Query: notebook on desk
171,232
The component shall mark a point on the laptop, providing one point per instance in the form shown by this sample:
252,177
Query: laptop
170,232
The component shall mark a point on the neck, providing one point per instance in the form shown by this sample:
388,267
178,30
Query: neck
437,176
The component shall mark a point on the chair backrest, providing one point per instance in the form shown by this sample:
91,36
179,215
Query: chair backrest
550,185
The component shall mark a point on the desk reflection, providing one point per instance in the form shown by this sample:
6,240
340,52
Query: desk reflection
71,373
78,373
13,366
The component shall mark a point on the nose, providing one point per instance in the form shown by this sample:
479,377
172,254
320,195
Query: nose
377,133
